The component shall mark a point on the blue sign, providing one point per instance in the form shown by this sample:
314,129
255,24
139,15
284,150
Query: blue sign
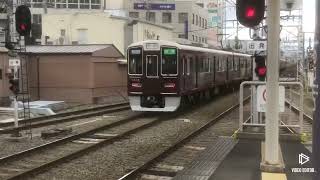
152,6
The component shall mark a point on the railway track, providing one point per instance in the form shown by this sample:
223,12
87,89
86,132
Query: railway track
307,119
155,162
28,162
6,128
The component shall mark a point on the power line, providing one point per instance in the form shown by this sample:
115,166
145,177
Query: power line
199,29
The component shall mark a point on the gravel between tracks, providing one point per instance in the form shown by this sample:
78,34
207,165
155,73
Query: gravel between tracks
7,147
113,161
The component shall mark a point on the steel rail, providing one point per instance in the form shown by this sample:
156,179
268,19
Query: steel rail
132,174
63,117
80,152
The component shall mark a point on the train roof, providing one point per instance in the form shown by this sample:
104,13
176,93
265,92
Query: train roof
186,47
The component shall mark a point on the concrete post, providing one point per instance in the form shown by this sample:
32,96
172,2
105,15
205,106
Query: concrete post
272,111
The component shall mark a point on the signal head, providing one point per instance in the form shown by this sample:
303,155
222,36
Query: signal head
250,12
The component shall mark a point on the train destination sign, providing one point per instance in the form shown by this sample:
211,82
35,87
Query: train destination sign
135,51
169,51
154,6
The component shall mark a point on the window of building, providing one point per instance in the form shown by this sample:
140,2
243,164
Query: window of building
61,3
181,36
183,17
200,21
73,4
84,4
0,74
192,37
192,18
196,38
37,3
151,16
82,36
197,20
134,14
62,32
95,4
36,18
206,24
166,17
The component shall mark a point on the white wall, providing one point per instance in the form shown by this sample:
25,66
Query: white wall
143,31
101,29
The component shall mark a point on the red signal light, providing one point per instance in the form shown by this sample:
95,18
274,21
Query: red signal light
250,12
23,27
262,71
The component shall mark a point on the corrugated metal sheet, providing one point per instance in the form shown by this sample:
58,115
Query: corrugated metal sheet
72,49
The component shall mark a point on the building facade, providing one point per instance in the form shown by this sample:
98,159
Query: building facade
99,28
188,19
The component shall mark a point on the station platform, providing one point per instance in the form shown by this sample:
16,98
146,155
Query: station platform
239,159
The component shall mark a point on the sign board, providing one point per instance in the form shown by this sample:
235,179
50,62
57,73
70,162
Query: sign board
262,96
154,6
14,62
257,46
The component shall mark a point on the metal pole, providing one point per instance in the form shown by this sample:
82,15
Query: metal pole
16,116
272,111
316,121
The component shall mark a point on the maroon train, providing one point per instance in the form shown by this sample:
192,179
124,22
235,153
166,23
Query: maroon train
162,73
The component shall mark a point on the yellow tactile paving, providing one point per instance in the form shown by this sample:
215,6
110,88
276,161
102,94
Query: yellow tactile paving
273,176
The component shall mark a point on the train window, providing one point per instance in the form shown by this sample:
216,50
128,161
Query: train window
169,61
135,61
206,65
152,66
235,64
220,65
230,64
188,66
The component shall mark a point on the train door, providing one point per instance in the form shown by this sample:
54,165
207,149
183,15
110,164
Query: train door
151,82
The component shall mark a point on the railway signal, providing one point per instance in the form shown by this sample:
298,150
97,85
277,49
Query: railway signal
261,68
250,12
23,20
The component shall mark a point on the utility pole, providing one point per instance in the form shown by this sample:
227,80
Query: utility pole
316,122
272,108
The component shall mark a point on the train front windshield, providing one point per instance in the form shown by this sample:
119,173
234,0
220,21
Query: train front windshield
169,61
135,61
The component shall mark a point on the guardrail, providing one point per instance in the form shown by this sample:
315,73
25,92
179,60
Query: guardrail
281,124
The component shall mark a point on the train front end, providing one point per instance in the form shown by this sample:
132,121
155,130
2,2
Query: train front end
153,76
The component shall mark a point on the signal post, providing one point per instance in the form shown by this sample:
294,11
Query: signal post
22,25
250,13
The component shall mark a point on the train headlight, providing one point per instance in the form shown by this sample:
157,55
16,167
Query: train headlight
169,85
136,85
